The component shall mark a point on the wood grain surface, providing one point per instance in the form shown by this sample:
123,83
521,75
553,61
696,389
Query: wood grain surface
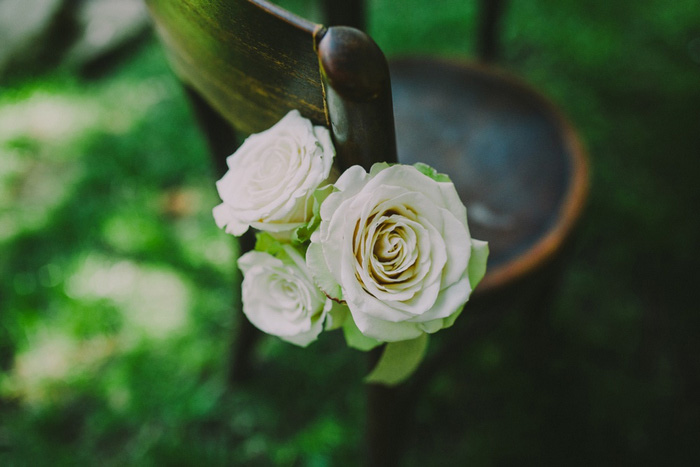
250,60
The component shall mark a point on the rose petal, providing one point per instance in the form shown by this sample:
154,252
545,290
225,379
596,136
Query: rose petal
280,298
224,218
397,243
455,235
273,175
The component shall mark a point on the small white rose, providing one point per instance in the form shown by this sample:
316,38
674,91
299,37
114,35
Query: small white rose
280,297
272,176
395,244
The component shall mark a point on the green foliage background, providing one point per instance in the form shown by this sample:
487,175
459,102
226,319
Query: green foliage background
115,325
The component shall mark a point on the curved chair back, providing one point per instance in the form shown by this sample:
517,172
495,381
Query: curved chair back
252,62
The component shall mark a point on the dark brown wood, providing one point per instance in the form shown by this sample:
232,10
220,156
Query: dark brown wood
250,60
515,160
345,13
247,336
358,97
222,142
385,421
520,169
489,28
244,63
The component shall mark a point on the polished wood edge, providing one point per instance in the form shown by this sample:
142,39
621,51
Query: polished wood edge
286,15
353,64
182,62
574,201
319,33
316,30
357,97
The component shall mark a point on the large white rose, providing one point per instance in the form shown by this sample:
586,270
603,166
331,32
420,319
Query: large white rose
272,176
280,297
394,244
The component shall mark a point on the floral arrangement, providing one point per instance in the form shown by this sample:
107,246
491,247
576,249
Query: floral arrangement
386,256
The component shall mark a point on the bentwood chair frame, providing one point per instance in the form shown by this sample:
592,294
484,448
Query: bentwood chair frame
246,63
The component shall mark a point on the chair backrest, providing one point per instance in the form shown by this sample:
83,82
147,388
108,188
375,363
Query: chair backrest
252,62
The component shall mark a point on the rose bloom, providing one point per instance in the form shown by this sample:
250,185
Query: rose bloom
272,176
394,244
280,297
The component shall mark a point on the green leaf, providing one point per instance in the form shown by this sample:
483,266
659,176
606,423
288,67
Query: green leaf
425,169
267,243
355,339
302,234
337,316
399,361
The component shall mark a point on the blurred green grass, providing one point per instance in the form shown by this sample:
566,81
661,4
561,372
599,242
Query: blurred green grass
114,308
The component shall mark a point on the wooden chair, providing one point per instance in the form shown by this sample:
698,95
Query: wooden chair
520,168
245,63
516,162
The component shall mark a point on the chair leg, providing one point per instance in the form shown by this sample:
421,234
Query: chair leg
391,410
247,335
221,139
386,417
488,39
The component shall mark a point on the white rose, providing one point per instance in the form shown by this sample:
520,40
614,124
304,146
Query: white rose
280,297
395,245
272,176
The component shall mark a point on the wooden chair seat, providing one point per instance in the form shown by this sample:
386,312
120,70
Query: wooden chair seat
516,162
520,169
